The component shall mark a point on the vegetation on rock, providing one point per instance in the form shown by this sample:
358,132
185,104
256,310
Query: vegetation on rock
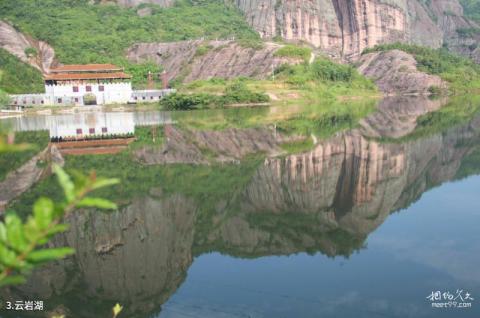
471,8
461,73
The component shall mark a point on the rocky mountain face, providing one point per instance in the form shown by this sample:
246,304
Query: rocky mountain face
343,28
395,72
396,117
191,60
16,43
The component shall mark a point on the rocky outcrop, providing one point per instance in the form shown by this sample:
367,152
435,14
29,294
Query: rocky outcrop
16,43
23,178
396,117
201,147
395,72
191,60
343,28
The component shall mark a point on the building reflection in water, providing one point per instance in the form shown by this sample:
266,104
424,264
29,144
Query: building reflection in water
327,201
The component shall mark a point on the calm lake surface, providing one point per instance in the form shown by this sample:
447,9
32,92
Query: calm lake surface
366,222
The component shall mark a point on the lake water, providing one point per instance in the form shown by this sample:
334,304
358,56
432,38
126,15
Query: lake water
365,223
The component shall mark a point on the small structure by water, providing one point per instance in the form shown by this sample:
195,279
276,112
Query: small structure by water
89,84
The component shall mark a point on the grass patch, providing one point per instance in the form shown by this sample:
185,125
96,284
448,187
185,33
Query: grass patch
294,51
299,146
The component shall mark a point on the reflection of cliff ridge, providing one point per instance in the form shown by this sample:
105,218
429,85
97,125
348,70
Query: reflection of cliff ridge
326,200
339,192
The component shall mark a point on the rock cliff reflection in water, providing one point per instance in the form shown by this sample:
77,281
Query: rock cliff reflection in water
306,235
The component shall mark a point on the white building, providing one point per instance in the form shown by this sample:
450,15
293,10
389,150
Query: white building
89,84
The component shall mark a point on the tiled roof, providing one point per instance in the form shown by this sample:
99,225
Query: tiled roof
85,76
85,68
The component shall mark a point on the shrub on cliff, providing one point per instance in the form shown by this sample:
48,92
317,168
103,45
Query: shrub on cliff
460,72
323,71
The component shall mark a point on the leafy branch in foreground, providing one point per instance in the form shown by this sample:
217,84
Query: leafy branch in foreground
22,244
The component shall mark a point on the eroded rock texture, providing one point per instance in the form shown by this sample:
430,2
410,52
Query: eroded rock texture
192,60
395,72
15,43
346,27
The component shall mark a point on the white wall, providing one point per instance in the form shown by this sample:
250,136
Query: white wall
114,93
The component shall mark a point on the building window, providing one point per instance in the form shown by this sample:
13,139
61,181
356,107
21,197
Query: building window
143,97
151,97
88,88
15,102
101,88
76,99
91,131
136,97
59,100
24,101
75,89
104,129
79,131
33,102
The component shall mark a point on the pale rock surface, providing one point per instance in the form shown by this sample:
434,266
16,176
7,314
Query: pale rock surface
15,43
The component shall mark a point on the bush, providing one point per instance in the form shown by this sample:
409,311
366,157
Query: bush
238,92
294,51
202,50
178,101
321,70
328,71
31,52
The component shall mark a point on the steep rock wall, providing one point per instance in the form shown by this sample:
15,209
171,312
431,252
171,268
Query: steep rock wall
343,28
225,59
15,43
